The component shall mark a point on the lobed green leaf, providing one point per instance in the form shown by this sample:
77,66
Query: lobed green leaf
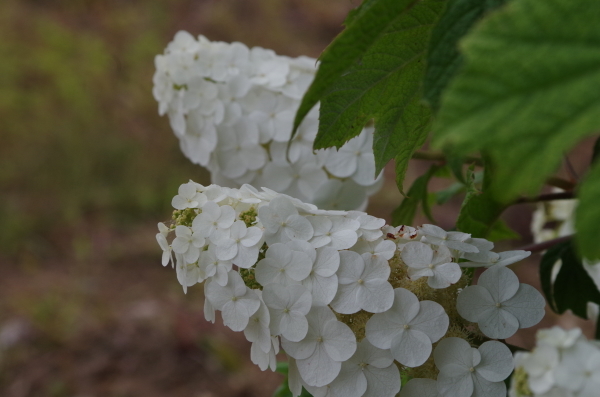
417,194
365,27
444,58
528,91
587,215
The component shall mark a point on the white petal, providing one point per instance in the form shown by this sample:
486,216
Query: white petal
501,282
432,320
293,326
322,289
327,262
527,306
411,348
380,331
339,341
455,386
485,388
299,350
382,382
473,301
496,361
454,356
298,228
417,254
498,324
346,300
318,369
227,249
299,267
351,267
444,275
375,296
343,239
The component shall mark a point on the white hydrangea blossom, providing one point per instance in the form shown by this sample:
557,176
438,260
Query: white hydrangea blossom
470,372
563,364
232,109
499,304
322,283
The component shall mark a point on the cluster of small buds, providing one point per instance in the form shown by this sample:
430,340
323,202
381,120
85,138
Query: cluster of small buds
232,109
563,364
350,300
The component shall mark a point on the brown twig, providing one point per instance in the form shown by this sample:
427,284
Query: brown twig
547,197
436,156
545,244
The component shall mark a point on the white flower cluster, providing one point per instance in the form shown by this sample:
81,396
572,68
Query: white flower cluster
346,296
232,109
563,364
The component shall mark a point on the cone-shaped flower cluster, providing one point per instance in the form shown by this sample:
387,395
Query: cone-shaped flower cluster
232,109
350,300
563,364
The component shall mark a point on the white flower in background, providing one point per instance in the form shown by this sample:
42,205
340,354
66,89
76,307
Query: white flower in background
288,306
370,372
283,265
212,266
335,232
258,330
437,266
298,180
354,160
362,284
499,304
322,281
340,195
558,337
454,240
378,248
188,243
242,245
328,343
235,301
409,328
420,387
540,365
214,221
466,371
239,150
283,223
579,370
231,106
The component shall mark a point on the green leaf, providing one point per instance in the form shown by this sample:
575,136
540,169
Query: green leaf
417,194
573,287
551,256
354,14
528,91
480,210
587,215
444,59
365,28
443,196
501,231
385,86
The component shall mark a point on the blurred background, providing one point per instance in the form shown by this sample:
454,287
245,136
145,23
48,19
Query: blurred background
88,168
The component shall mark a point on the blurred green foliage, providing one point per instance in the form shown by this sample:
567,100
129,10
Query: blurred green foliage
80,133
81,140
